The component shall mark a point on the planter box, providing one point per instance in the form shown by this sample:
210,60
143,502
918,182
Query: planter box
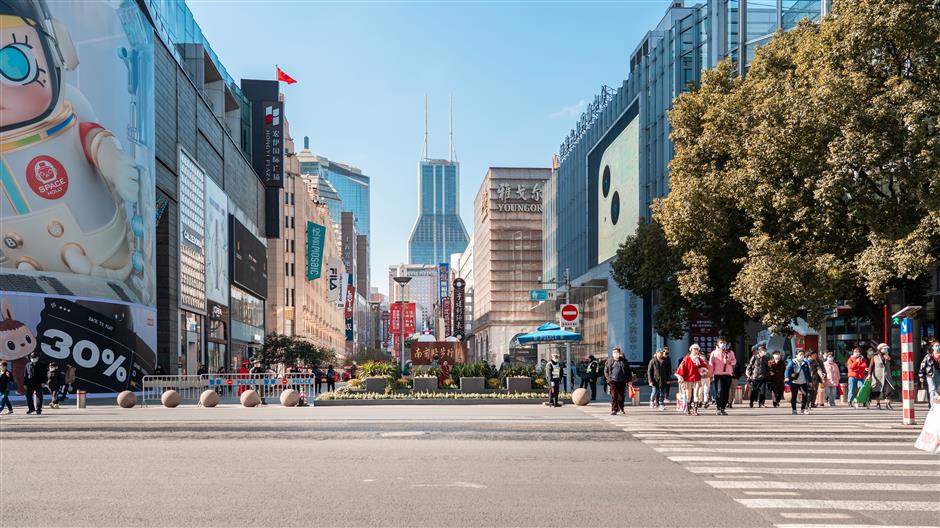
519,384
375,384
472,384
420,384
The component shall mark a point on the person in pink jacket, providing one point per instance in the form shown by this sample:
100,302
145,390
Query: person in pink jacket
722,362
833,377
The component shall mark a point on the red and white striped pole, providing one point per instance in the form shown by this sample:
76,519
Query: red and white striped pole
908,387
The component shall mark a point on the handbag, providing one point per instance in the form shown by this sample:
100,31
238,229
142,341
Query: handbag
929,439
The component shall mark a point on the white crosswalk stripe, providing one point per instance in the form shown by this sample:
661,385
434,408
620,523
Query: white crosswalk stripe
857,468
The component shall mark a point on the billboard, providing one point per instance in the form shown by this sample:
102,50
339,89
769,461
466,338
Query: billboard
316,235
272,144
614,176
249,261
334,273
216,243
76,174
192,232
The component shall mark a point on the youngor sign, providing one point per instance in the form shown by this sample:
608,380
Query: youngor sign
249,261
458,309
77,212
316,235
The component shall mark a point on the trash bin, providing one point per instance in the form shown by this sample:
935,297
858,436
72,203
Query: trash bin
80,399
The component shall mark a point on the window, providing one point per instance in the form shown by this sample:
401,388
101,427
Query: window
292,246
286,269
286,222
291,269
292,222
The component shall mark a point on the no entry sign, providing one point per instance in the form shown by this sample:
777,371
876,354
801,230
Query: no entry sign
569,316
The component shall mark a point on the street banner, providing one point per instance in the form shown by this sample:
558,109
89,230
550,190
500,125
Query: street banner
350,300
445,310
385,328
341,294
443,281
458,309
316,235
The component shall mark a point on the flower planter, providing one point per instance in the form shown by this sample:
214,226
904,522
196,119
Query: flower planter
471,384
519,384
422,384
375,384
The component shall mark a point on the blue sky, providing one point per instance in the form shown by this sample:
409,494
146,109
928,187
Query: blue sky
520,74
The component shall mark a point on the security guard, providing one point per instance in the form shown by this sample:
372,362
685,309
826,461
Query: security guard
554,371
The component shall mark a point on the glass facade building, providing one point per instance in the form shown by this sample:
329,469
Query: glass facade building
347,182
438,232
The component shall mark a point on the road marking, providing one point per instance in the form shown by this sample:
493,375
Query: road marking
469,485
800,515
753,477
402,434
781,436
733,471
853,505
675,442
881,486
775,460
744,450
772,493
844,526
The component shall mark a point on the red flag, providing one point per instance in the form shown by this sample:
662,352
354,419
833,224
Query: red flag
281,76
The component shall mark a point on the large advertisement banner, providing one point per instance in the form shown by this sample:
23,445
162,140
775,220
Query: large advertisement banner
216,243
316,236
334,273
395,322
249,260
76,174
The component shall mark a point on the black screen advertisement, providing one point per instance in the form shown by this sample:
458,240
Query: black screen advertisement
249,260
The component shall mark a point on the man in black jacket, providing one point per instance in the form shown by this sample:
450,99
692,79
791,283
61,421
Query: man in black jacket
758,375
34,377
657,375
617,373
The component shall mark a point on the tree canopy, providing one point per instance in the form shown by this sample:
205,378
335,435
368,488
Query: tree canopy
293,351
816,178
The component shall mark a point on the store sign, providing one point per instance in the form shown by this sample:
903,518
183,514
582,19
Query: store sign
458,309
385,327
518,197
316,236
443,281
249,262
272,144
445,309
218,312
192,229
334,274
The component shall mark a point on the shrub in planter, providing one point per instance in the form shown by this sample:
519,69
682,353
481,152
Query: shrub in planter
539,383
424,371
354,383
492,383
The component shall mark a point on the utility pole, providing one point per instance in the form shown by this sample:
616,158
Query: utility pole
568,379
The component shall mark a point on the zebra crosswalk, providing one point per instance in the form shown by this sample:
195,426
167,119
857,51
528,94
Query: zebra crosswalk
837,467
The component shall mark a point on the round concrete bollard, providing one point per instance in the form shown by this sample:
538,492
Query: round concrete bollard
290,398
209,398
580,397
127,399
250,398
171,398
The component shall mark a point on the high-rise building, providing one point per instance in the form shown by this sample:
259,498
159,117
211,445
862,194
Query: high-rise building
421,290
348,182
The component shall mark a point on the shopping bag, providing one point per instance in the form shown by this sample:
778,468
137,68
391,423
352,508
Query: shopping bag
929,439
681,403
864,394
631,391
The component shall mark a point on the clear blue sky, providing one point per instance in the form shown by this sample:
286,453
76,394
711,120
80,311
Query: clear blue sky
520,74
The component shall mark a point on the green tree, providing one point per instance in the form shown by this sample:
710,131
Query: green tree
817,177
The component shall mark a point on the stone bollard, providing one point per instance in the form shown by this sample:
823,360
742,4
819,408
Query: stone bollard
250,398
127,399
844,390
738,393
635,400
209,398
171,398
580,397
290,398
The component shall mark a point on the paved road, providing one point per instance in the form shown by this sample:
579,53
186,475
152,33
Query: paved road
509,465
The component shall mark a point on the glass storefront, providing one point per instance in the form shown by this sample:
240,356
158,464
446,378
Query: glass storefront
247,325
191,352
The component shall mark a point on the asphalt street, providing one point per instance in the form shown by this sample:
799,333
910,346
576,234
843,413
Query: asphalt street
479,465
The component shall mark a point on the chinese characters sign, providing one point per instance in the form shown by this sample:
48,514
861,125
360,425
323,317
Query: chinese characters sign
272,144
443,282
459,317
521,197
395,322
450,351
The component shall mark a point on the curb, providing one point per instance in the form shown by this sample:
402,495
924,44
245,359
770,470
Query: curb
340,403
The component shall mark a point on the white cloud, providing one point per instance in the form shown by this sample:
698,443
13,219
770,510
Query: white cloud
570,111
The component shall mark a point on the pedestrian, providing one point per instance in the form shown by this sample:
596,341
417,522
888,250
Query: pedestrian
553,373
317,380
929,372
693,376
722,362
583,374
34,378
330,378
618,375
669,365
68,383
540,368
352,370
818,372
833,376
758,374
54,380
7,384
158,371
777,368
658,373
593,371
879,370
799,378
857,369
201,369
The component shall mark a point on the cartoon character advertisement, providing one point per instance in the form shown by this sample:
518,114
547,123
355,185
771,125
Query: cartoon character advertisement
77,262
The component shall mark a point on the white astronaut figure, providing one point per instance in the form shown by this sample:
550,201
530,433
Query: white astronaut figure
64,181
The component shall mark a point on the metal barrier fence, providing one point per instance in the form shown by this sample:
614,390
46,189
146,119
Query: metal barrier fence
228,386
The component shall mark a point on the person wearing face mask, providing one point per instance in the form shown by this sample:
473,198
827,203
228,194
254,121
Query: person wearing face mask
758,373
722,362
617,373
818,372
694,375
34,378
54,381
929,372
879,370
6,385
799,378
858,370
833,376
777,368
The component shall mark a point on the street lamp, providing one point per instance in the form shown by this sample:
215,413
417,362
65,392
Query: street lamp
402,281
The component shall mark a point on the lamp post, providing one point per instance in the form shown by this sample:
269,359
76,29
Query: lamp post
402,281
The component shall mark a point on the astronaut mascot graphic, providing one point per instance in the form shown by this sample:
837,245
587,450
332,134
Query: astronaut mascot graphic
70,191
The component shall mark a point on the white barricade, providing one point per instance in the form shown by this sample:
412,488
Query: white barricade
229,386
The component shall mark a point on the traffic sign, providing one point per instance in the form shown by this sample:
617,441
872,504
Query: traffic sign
540,295
569,316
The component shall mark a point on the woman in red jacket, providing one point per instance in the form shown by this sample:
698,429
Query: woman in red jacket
858,370
692,370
